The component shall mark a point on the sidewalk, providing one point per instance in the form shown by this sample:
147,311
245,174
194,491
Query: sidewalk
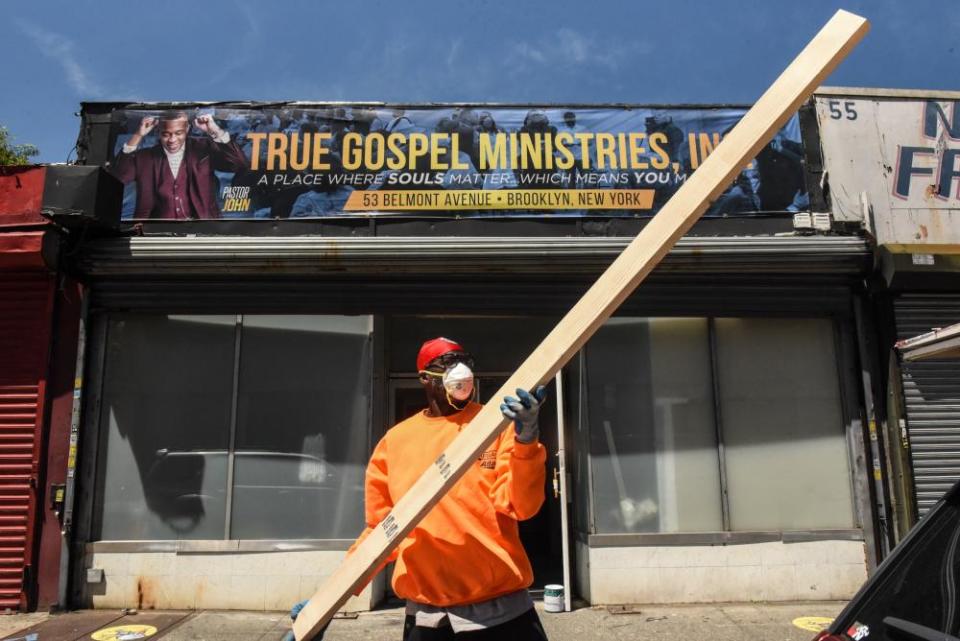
722,622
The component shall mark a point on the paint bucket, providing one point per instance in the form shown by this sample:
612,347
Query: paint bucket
553,598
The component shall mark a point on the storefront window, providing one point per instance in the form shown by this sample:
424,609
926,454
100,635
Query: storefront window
785,449
165,427
302,436
296,442
658,444
653,440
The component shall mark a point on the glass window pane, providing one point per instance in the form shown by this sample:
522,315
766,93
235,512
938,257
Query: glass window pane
302,427
786,454
652,431
164,426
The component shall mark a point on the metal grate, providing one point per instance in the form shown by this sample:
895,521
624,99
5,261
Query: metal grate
25,321
931,392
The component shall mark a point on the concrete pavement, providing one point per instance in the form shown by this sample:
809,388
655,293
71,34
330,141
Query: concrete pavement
715,622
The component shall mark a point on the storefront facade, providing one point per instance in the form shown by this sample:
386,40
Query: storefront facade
894,155
708,444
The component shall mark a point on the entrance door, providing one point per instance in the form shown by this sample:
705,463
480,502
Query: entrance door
542,536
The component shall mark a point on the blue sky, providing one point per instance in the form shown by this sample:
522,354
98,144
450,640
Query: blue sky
673,51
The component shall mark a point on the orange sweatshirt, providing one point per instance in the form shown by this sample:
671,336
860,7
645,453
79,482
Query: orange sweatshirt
467,549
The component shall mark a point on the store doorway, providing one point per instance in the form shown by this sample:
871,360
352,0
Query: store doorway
499,344
542,536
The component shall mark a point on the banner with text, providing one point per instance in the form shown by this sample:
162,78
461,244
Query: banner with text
299,162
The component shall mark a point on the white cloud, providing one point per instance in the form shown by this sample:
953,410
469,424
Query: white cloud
576,45
567,46
395,49
249,43
62,50
454,52
252,23
528,51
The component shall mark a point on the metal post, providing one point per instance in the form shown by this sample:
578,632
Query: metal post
718,421
858,442
564,519
231,457
876,423
66,530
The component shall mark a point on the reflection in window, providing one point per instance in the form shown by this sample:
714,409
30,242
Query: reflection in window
302,435
785,448
655,457
653,443
302,427
165,427
918,582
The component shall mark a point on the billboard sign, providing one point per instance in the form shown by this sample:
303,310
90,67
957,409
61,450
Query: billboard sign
339,160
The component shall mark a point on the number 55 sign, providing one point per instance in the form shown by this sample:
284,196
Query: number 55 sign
903,153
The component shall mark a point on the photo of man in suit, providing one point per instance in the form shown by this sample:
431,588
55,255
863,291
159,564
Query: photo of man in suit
175,178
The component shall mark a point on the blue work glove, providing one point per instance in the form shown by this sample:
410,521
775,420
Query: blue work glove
294,612
524,410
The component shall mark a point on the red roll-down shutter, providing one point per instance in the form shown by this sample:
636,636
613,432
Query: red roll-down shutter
26,300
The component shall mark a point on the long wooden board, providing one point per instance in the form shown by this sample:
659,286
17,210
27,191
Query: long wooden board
757,127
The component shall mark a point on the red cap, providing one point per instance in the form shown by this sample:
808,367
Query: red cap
433,348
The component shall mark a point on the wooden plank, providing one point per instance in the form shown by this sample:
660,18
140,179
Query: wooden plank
756,128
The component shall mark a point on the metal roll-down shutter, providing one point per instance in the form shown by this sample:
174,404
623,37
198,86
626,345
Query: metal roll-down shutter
545,276
931,392
25,320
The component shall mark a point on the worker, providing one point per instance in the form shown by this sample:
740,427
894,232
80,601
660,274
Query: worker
462,569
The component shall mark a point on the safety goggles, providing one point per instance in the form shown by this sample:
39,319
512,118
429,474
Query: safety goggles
442,363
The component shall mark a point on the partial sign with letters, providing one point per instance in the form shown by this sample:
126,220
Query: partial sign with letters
903,154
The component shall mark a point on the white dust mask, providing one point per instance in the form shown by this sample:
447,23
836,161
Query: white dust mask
458,381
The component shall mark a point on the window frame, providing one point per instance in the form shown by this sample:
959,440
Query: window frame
91,479
852,416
